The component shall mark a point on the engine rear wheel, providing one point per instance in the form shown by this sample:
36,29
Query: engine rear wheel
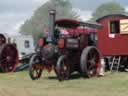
62,68
90,59
35,67
8,57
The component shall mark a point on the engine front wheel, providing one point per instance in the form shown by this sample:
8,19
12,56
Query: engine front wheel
35,67
62,68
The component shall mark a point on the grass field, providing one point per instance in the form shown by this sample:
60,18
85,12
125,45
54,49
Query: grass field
19,84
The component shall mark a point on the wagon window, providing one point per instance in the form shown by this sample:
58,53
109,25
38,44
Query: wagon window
26,44
114,27
124,26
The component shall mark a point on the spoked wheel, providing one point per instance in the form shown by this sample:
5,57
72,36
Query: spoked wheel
35,67
90,58
62,68
8,57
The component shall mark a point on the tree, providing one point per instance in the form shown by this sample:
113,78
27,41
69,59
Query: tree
108,8
39,20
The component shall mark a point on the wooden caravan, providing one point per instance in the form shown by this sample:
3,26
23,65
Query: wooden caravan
113,38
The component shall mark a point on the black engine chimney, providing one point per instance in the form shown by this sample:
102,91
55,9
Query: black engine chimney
52,14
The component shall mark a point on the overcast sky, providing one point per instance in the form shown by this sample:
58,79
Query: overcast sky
92,4
14,12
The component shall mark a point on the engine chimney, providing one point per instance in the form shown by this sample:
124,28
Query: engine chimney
52,14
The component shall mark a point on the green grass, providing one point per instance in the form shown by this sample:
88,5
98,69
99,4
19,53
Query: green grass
20,84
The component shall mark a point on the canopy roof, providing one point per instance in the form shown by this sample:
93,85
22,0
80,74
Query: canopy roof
70,23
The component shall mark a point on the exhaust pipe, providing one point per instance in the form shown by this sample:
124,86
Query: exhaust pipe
51,37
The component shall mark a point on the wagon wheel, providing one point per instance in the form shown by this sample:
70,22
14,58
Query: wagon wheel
90,62
8,57
35,67
62,68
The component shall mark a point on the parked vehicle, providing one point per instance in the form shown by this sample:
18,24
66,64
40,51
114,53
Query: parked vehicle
8,55
66,53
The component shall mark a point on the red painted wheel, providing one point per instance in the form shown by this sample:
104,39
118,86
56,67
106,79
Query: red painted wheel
35,67
8,57
62,68
90,58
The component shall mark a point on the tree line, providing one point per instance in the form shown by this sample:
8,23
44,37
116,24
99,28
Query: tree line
39,20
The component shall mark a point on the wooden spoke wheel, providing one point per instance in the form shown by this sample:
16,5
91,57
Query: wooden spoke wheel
90,58
62,68
35,67
8,57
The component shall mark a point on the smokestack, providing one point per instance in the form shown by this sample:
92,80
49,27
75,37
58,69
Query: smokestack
52,14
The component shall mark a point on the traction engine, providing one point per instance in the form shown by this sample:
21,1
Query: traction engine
66,52
8,55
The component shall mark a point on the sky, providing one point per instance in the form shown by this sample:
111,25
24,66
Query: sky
13,13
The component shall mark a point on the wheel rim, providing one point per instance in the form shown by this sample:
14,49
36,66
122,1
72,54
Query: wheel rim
8,58
92,62
36,68
63,69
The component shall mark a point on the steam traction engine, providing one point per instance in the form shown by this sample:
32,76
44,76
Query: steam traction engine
67,48
8,55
